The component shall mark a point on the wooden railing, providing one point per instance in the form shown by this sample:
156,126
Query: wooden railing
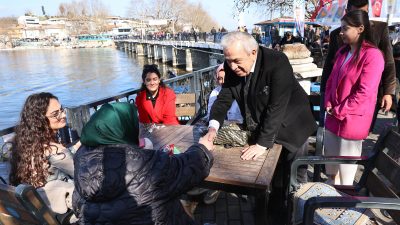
200,82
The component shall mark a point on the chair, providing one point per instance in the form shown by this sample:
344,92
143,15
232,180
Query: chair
185,106
22,205
320,202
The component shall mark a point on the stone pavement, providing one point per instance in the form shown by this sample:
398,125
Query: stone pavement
233,210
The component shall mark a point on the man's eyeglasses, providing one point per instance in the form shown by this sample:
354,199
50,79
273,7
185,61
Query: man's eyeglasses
57,114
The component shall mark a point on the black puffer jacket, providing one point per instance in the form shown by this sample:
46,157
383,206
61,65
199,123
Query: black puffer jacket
120,184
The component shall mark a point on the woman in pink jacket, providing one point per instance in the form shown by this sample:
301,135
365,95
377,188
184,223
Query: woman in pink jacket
351,94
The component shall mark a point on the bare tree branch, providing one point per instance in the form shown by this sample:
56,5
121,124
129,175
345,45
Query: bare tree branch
273,7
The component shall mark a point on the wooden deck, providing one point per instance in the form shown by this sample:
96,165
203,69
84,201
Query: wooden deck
229,173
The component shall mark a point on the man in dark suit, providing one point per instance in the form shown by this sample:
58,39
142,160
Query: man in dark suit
274,105
380,37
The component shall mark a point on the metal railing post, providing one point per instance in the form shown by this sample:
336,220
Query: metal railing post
77,118
197,90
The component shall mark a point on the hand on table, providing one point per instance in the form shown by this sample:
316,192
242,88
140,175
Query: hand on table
252,152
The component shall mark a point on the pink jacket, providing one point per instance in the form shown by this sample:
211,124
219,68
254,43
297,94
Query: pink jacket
352,93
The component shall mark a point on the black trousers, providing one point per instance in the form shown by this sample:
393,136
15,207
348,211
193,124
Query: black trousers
278,200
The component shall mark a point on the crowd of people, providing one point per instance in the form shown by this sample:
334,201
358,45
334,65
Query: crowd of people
313,37
255,88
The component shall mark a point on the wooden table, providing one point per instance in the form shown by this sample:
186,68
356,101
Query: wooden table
229,173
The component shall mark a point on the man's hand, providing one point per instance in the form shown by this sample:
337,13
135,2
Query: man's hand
386,103
211,134
252,152
209,144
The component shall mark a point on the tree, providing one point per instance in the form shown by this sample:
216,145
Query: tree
85,16
271,7
61,9
177,12
198,17
28,12
7,28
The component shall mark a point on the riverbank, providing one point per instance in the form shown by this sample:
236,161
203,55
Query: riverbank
61,45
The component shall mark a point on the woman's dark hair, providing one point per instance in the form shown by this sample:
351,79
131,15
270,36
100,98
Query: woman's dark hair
33,135
153,68
356,3
357,18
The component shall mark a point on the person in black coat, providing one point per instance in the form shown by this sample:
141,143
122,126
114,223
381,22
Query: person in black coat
116,182
287,39
273,104
396,56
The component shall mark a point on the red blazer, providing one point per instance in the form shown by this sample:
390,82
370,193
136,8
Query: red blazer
163,111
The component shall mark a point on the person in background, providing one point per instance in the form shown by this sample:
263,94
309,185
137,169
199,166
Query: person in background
155,102
214,33
37,157
324,33
234,113
287,39
274,35
133,185
396,56
380,38
350,94
311,35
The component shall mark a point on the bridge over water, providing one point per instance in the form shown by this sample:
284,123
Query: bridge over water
191,55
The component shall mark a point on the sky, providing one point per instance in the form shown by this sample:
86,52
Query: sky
221,10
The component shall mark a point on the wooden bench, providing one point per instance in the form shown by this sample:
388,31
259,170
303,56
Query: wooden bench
185,106
380,179
23,205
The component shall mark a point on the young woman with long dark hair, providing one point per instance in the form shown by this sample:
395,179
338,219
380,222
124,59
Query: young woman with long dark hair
350,95
37,158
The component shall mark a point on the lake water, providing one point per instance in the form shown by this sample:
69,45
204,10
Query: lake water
75,76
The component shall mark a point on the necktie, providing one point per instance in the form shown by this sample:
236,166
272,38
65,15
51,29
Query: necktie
251,125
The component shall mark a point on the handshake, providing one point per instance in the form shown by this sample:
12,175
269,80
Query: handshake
251,152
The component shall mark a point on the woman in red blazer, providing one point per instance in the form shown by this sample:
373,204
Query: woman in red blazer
155,102
350,95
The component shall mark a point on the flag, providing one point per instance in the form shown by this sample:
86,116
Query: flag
299,15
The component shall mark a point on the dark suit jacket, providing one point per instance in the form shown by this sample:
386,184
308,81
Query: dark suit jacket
380,37
276,101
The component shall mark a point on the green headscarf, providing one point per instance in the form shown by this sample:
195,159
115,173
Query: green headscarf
115,123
